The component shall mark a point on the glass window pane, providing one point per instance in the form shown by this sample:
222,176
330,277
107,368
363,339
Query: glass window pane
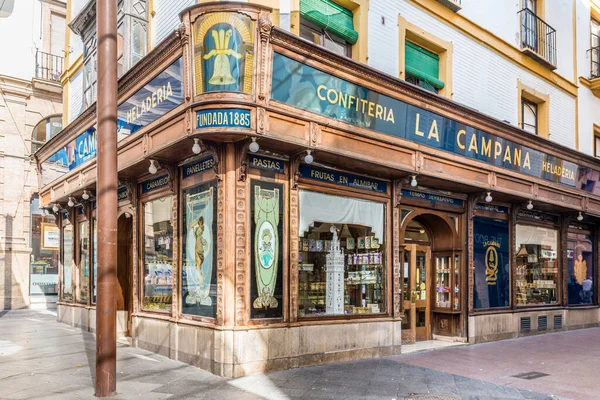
44,252
580,253
199,277
341,262
537,269
67,260
442,281
529,117
158,254
84,261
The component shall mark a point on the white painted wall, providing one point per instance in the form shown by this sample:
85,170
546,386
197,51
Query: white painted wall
482,78
589,105
559,15
23,29
503,21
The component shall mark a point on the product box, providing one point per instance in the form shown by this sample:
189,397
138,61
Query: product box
361,242
350,244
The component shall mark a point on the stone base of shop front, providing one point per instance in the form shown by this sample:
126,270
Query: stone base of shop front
85,318
492,327
239,352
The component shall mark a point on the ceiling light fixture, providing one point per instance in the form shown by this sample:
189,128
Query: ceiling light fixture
254,147
196,147
488,198
152,169
308,158
530,205
414,182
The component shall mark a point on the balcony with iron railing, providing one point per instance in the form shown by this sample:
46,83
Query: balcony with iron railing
595,57
538,39
48,66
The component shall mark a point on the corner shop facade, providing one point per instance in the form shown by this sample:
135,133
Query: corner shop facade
239,261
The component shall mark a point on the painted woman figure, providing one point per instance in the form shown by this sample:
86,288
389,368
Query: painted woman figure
200,245
266,249
580,269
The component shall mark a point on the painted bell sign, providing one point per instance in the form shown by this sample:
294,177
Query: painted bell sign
225,45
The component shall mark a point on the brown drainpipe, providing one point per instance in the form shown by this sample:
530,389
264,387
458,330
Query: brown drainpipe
106,111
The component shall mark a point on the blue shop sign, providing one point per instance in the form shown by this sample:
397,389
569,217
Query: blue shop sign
342,178
159,96
266,163
155,183
198,166
327,95
538,216
122,193
434,198
223,118
492,208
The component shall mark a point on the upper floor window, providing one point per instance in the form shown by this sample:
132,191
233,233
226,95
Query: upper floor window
422,67
45,130
328,24
529,116
595,50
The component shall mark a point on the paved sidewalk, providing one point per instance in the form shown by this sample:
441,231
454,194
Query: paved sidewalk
42,359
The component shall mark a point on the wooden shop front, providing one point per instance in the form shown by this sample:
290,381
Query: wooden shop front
285,206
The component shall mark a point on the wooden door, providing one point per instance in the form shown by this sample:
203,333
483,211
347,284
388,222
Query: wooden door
417,305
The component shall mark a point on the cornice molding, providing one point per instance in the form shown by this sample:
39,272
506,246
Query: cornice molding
82,21
373,79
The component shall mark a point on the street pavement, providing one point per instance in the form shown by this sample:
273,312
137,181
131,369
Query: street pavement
43,359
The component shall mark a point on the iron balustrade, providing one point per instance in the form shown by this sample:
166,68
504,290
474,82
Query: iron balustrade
595,57
48,66
538,38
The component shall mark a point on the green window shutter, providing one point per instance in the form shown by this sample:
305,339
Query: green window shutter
331,17
422,64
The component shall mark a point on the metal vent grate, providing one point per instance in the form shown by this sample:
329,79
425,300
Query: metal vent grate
542,323
558,321
525,324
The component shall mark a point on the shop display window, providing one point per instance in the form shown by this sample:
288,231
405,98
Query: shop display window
158,254
341,258
199,277
266,225
84,261
537,267
580,255
44,252
447,283
67,262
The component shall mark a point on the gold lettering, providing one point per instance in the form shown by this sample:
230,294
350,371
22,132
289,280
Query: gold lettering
417,131
379,111
517,157
319,95
334,99
390,116
486,149
460,133
527,162
433,131
507,154
371,107
169,90
473,144
497,149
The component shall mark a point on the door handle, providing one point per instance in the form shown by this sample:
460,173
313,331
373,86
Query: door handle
415,296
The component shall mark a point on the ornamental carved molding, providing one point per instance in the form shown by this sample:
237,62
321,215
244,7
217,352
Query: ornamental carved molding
220,252
243,162
471,203
294,248
241,260
172,172
265,28
566,220
131,186
396,263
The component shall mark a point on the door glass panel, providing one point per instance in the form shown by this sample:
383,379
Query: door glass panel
421,317
406,286
421,276
456,283
406,319
442,281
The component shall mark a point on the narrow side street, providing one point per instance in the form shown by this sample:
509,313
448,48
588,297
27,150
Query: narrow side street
43,359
